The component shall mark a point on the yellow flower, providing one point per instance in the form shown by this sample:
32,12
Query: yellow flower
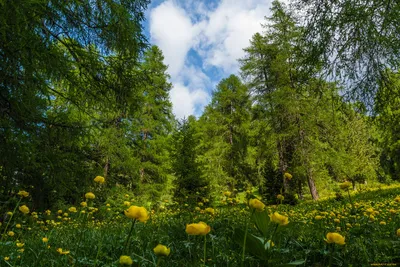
125,260
319,217
9,213
161,250
72,209
59,250
335,238
24,209
6,258
280,219
138,213
20,245
127,203
59,211
210,211
397,199
45,239
227,193
100,179
288,176
256,204
382,223
398,232
90,195
48,212
271,244
345,185
21,250
23,193
200,228
18,225
280,197
336,220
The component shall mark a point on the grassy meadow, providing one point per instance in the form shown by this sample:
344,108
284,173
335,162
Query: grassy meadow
363,229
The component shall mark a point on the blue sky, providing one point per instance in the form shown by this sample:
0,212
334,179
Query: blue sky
201,41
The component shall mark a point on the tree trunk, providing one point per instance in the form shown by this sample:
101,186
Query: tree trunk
311,185
283,166
106,167
300,190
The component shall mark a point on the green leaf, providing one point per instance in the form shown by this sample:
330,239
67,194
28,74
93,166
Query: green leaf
254,244
261,220
294,263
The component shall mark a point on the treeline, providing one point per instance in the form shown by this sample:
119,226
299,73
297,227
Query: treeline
82,94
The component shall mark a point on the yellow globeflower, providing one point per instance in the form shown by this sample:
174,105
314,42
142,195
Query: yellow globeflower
279,219
18,225
83,204
23,193
20,245
200,228
24,209
335,238
398,232
210,211
90,195
72,209
138,213
45,239
125,260
161,250
227,193
319,217
345,185
280,197
100,179
60,250
127,203
256,204
288,176
11,233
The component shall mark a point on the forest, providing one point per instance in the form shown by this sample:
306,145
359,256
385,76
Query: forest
295,161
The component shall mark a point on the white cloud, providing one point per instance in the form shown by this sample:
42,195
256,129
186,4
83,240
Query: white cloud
185,102
172,30
217,33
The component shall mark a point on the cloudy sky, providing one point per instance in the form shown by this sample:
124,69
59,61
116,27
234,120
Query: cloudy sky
201,41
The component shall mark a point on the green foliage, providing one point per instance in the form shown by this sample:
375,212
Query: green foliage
190,186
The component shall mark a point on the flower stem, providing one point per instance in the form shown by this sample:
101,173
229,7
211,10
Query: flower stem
205,249
15,208
126,247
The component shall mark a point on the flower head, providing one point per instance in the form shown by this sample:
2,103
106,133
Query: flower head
60,250
280,197
256,204
24,209
125,260
210,211
138,213
200,228
398,232
288,176
90,195
161,250
279,219
23,193
72,209
335,238
100,179
45,239
11,233
346,185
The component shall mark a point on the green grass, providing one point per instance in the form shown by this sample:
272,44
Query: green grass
99,239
